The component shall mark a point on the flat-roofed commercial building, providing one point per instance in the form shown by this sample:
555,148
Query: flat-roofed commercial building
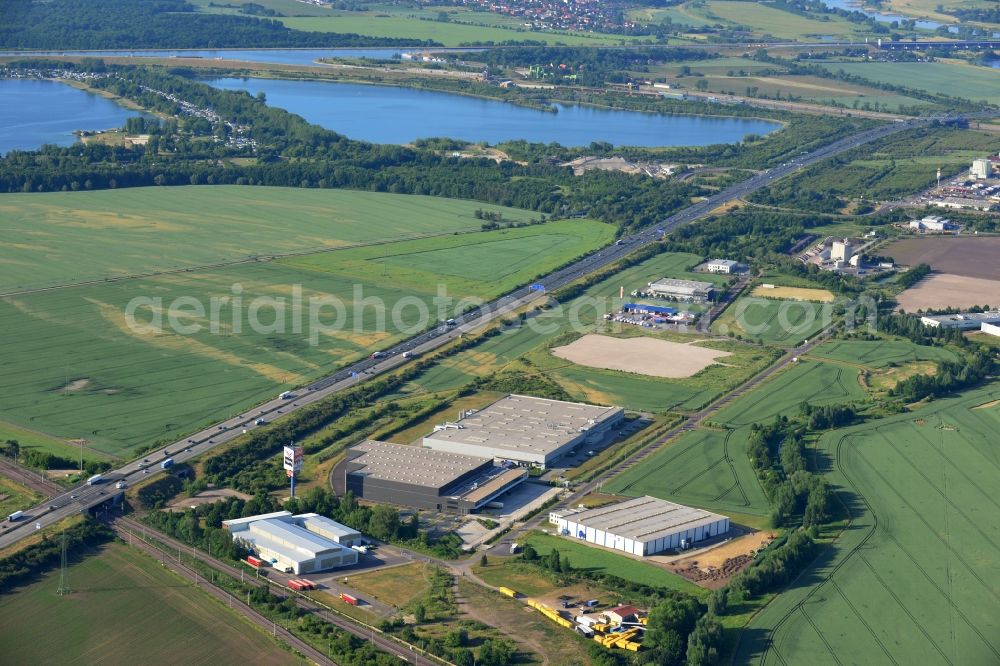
292,543
682,290
963,321
641,526
423,478
525,430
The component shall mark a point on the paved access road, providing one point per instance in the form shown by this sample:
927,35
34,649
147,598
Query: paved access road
85,497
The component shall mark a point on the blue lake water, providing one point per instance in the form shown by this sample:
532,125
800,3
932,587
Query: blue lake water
384,114
279,56
34,112
881,17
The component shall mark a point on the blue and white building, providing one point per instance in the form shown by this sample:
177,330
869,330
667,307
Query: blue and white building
298,544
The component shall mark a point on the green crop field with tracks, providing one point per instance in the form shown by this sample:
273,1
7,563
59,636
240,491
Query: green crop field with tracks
915,578
944,78
880,353
126,608
92,362
772,321
68,237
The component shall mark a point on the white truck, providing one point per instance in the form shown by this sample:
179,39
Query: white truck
17,515
94,480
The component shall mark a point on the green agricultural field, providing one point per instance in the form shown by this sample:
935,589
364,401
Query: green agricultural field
771,321
379,24
126,608
704,468
806,381
76,368
810,89
63,237
764,20
945,78
583,556
880,353
916,576
37,441
471,264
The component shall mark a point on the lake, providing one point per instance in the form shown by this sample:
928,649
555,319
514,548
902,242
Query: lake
34,112
858,6
386,114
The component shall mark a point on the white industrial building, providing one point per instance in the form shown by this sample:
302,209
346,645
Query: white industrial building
842,250
682,290
964,321
298,544
641,526
524,430
981,169
932,223
991,329
723,266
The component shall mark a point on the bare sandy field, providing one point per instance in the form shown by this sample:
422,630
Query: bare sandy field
975,257
793,293
946,290
645,356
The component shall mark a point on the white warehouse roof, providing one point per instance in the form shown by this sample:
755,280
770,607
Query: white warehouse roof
325,527
644,518
287,538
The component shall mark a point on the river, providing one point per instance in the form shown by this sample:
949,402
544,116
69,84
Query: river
34,112
386,114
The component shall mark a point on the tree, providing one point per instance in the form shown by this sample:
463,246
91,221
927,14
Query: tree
384,522
420,614
484,561
703,643
669,626
702,85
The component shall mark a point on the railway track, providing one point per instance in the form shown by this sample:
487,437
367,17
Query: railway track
404,651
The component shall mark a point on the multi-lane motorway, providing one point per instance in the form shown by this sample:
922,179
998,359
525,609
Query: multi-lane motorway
85,497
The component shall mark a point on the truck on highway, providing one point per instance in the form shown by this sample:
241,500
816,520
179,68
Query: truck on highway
169,462
287,395
94,480
17,515
377,355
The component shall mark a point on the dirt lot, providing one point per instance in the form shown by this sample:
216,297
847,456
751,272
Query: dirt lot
713,568
205,497
964,255
645,356
793,294
943,290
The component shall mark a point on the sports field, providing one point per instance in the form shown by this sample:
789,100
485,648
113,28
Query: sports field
126,608
772,321
60,237
945,78
916,576
76,368
880,353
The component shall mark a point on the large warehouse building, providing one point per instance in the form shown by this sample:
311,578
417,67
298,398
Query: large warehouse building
300,544
965,321
423,478
641,526
524,430
682,290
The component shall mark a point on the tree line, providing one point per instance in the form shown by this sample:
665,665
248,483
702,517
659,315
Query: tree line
30,562
157,24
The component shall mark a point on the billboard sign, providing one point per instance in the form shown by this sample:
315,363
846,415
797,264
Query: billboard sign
292,460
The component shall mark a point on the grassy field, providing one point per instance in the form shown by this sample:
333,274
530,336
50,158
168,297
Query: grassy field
14,497
33,440
772,321
710,468
126,608
61,237
633,391
583,556
880,353
946,78
806,381
764,20
75,368
394,585
920,559
380,24
470,264
704,468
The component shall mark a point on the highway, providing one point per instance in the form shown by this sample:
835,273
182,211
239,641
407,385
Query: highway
86,497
